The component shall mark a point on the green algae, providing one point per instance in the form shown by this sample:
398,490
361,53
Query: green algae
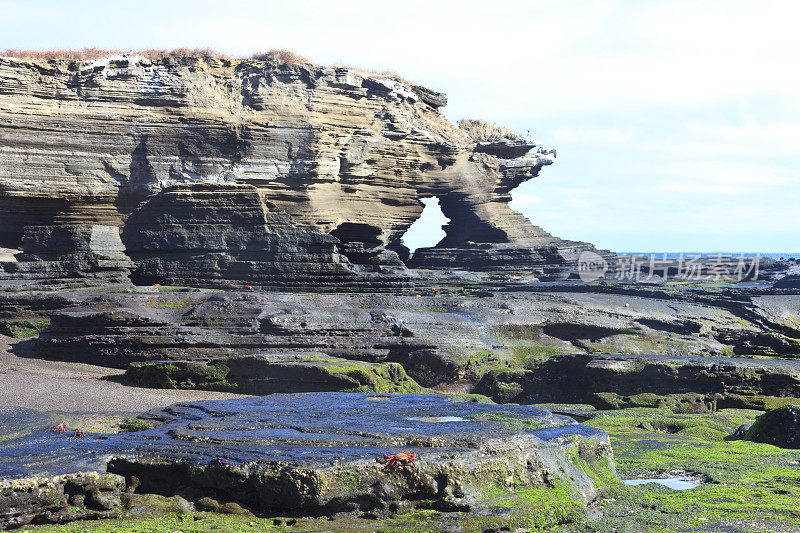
130,425
748,485
172,303
240,373
508,419
23,329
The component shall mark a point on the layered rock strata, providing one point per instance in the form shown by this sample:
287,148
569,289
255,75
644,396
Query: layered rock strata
70,251
205,234
341,152
260,375
606,380
439,340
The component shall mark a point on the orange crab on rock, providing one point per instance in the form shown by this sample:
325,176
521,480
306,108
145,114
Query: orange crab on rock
397,460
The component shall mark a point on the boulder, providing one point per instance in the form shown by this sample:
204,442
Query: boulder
779,427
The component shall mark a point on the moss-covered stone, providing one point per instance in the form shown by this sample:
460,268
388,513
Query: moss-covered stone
134,424
267,375
23,329
779,427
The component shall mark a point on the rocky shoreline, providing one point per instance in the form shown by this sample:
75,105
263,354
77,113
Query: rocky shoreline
210,251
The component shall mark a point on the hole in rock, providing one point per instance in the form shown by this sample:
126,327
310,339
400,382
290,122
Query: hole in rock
427,230
7,255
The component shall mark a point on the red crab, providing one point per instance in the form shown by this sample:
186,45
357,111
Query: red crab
398,459
220,462
79,433
60,428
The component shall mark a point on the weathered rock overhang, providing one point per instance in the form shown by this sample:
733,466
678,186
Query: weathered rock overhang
340,156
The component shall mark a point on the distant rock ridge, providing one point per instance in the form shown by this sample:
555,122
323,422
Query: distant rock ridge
342,155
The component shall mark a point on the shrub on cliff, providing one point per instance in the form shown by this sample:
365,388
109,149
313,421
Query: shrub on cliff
98,53
281,56
481,131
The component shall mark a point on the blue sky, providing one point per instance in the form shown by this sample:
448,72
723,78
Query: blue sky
677,123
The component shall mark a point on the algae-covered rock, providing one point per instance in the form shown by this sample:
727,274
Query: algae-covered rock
683,384
779,427
273,374
58,499
144,505
320,453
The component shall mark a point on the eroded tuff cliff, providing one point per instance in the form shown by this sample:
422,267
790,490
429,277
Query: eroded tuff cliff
330,151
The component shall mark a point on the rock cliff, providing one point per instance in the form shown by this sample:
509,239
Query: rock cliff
337,161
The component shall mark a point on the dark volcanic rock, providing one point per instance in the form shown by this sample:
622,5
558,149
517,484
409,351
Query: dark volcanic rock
215,234
59,499
791,281
316,453
439,339
548,261
70,251
120,329
579,378
779,427
741,431
272,374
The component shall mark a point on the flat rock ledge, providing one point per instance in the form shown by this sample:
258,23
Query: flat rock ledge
316,454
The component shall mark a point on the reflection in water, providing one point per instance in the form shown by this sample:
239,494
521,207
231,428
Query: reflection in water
677,483
437,418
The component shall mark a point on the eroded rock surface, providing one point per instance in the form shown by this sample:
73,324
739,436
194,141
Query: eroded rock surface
316,453
59,499
606,381
330,151
66,251
437,339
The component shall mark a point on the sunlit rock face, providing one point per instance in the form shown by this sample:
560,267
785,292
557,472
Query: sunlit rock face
337,151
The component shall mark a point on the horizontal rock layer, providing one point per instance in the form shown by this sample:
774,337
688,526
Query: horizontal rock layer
439,340
728,382
70,251
274,374
316,453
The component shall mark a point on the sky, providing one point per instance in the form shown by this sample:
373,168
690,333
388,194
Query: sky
677,123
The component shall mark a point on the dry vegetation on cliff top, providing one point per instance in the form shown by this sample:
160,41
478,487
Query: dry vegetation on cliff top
278,55
482,131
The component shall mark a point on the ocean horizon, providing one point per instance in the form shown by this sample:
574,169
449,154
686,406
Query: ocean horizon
676,255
